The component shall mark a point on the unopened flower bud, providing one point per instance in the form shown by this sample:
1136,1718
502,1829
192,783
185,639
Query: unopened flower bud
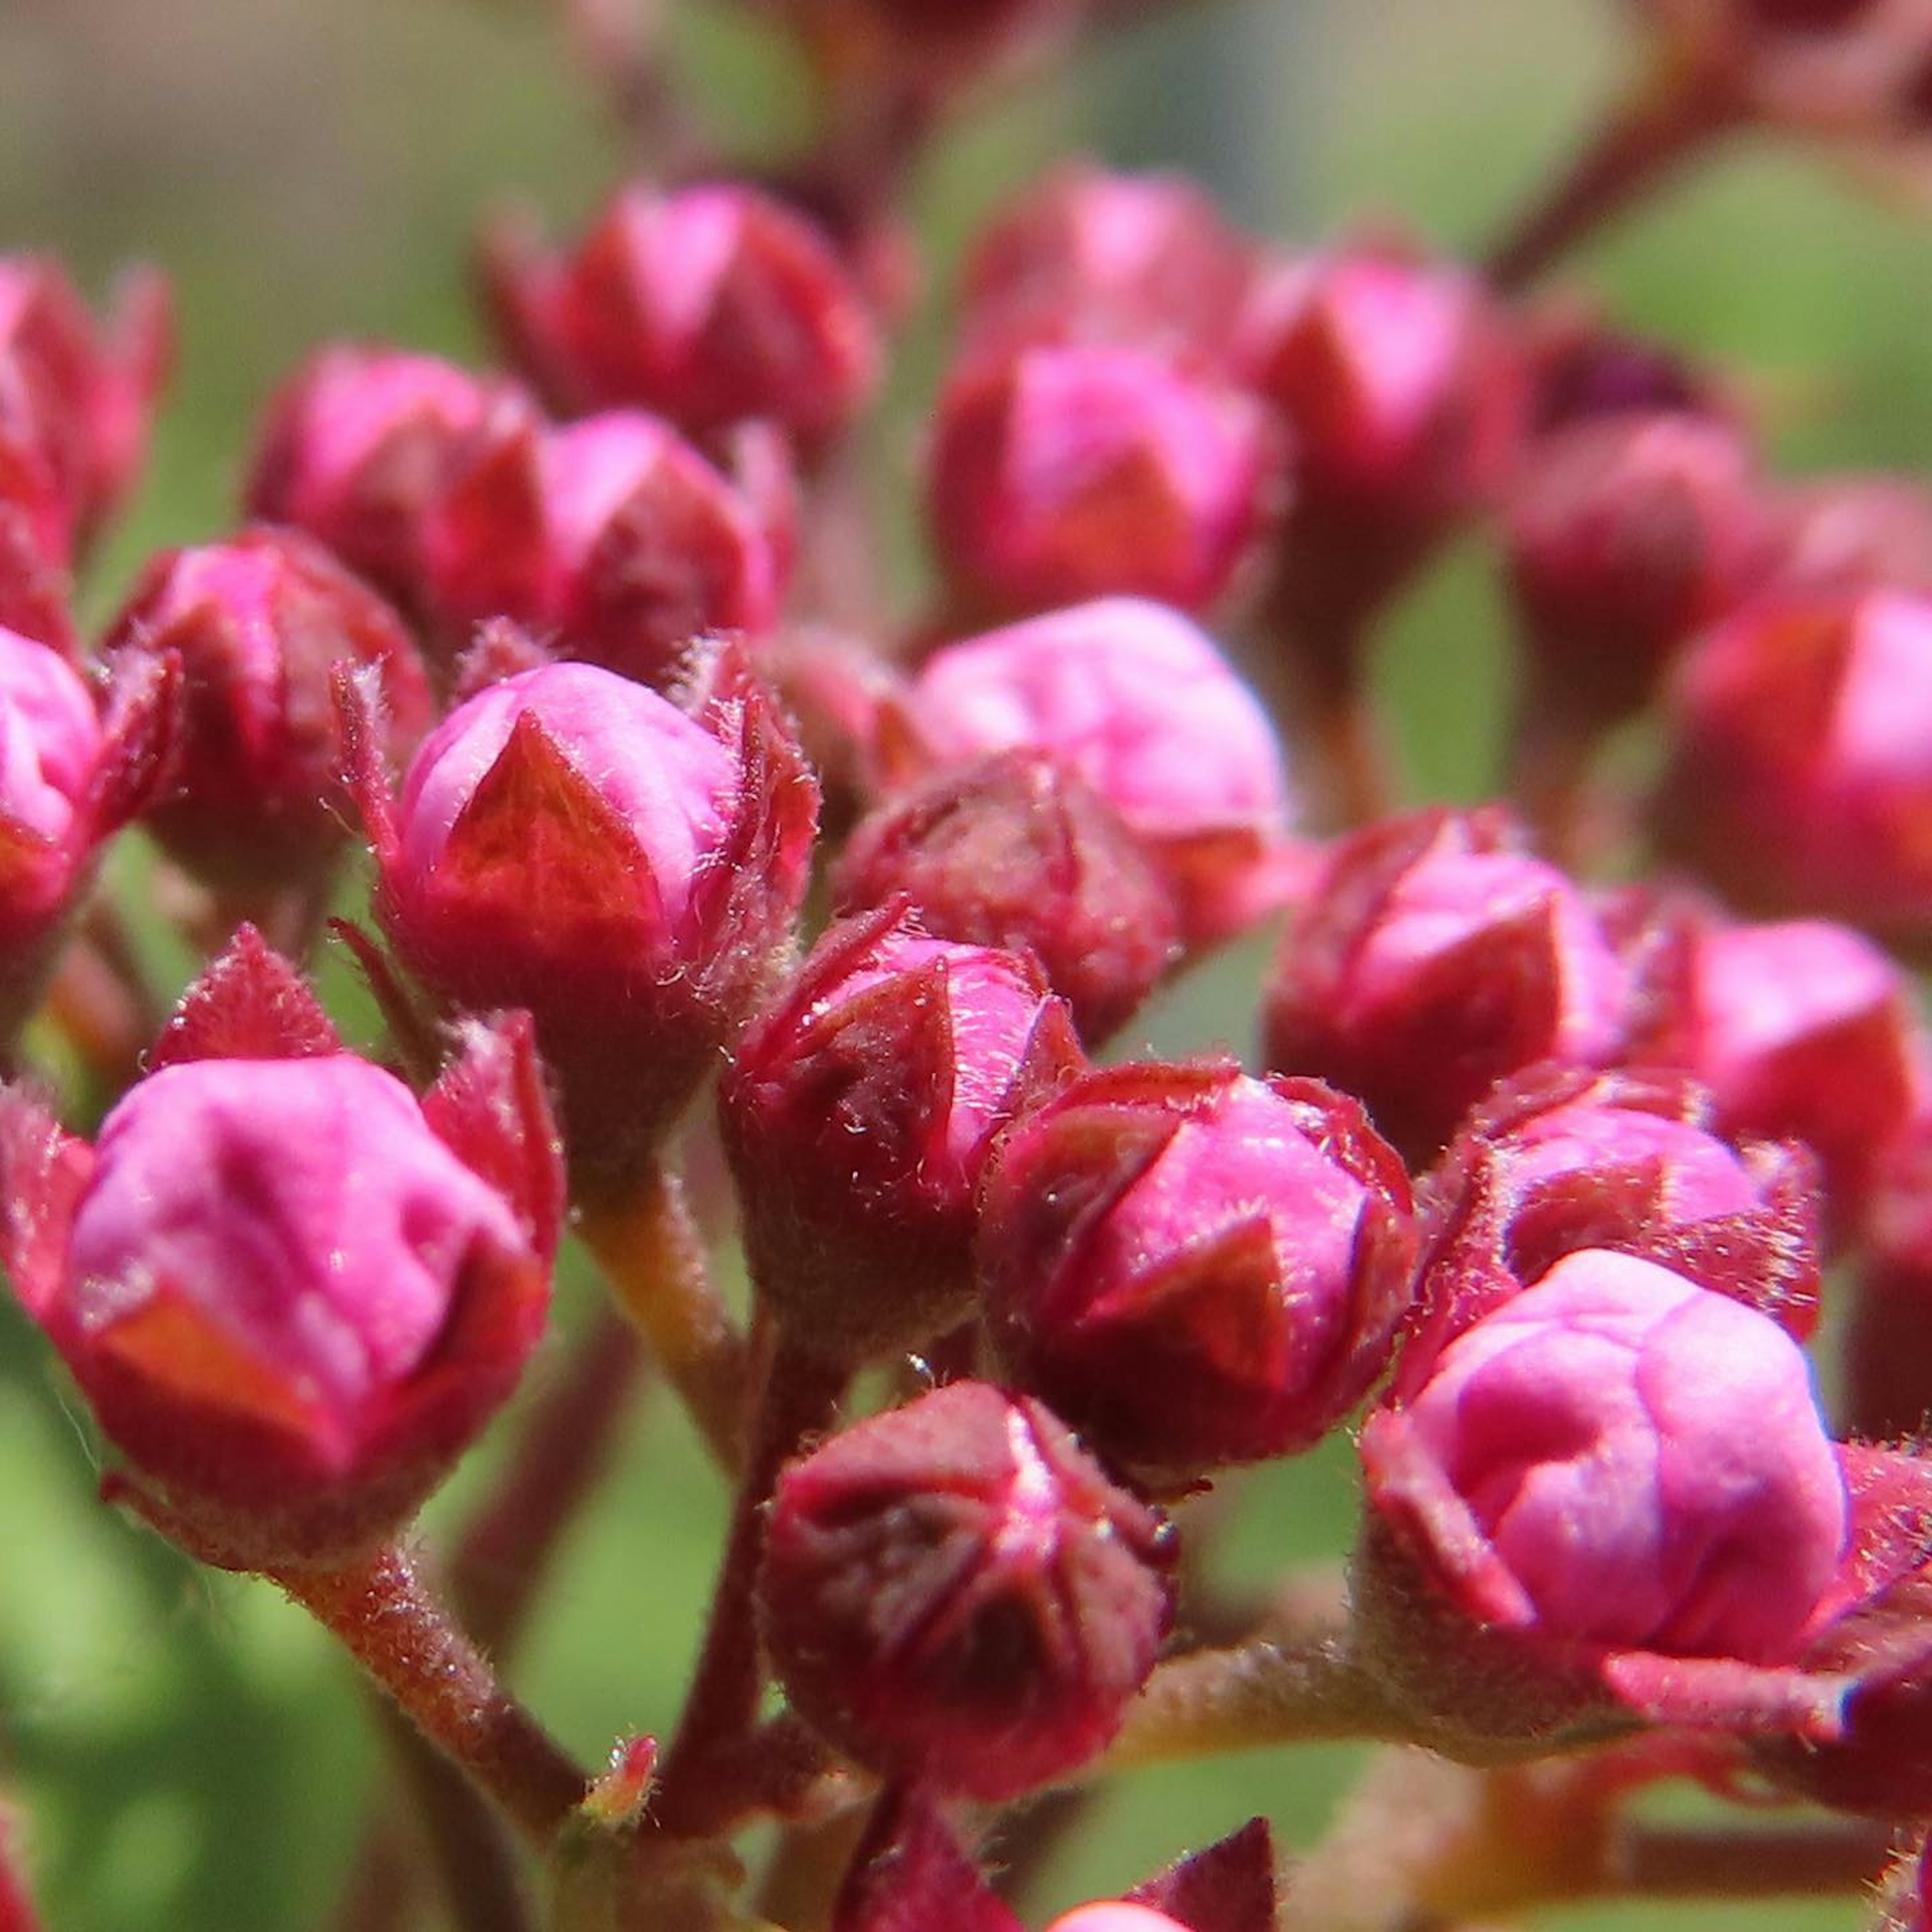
954,1593
573,843
1018,851
1433,958
1847,534
1582,371
711,305
1115,1915
1144,261
1139,702
1615,1462
1062,474
1195,1268
259,624
291,1336
858,1115
613,536
356,445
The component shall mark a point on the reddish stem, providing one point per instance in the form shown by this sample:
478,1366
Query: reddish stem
1731,1862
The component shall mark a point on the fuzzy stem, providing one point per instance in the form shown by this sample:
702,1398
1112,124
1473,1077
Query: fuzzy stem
380,1610
1668,119
799,1394
1552,755
650,1250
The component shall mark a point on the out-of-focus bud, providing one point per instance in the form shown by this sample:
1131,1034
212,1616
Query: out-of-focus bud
1196,1268
1847,534
711,306
612,536
1801,1031
75,401
1623,538
1560,1161
1145,261
291,1337
1888,1347
1018,851
1115,1915
1137,699
858,1115
1063,474
1616,1464
1582,371
1800,774
571,843
1404,395
259,624
1433,958
955,1595
36,588
355,446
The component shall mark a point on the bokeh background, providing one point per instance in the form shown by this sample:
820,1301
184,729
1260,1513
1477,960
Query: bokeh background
187,1752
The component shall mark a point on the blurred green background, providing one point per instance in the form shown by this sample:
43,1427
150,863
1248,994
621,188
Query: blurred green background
186,1751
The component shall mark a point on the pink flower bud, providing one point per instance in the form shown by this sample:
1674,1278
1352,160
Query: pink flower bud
1145,261
1139,703
1433,958
710,305
356,445
955,1594
858,1115
1624,538
259,623
1583,371
612,536
1115,1915
1556,1162
1018,851
74,403
1193,1268
1802,1031
1619,1460
291,1337
1069,473
573,844
1847,534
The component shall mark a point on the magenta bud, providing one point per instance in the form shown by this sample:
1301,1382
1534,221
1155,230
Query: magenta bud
75,400
36,590
1230,1886
1624,538
1018,851
909,1870
1137,700
1583,371
1140,261
1115,1915
259,624
613,535
711,305
1195,1268
1433,958
1800,779
1615,1464
571,843
356,445
954,1593
1562,1160
1063,474
291,1337
858,1115
1844,535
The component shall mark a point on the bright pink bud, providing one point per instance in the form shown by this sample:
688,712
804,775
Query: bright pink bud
1433,958
291,1337
1558,1162
573,844
74,403
259,624
955,1594
1137,700
1618,1460
356,445
1801,777
710,305
1802,1031
859,1113
1196,1268
1018,851
1115,1915
613,536
1069,473
1146,261
1847,534
1624,538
